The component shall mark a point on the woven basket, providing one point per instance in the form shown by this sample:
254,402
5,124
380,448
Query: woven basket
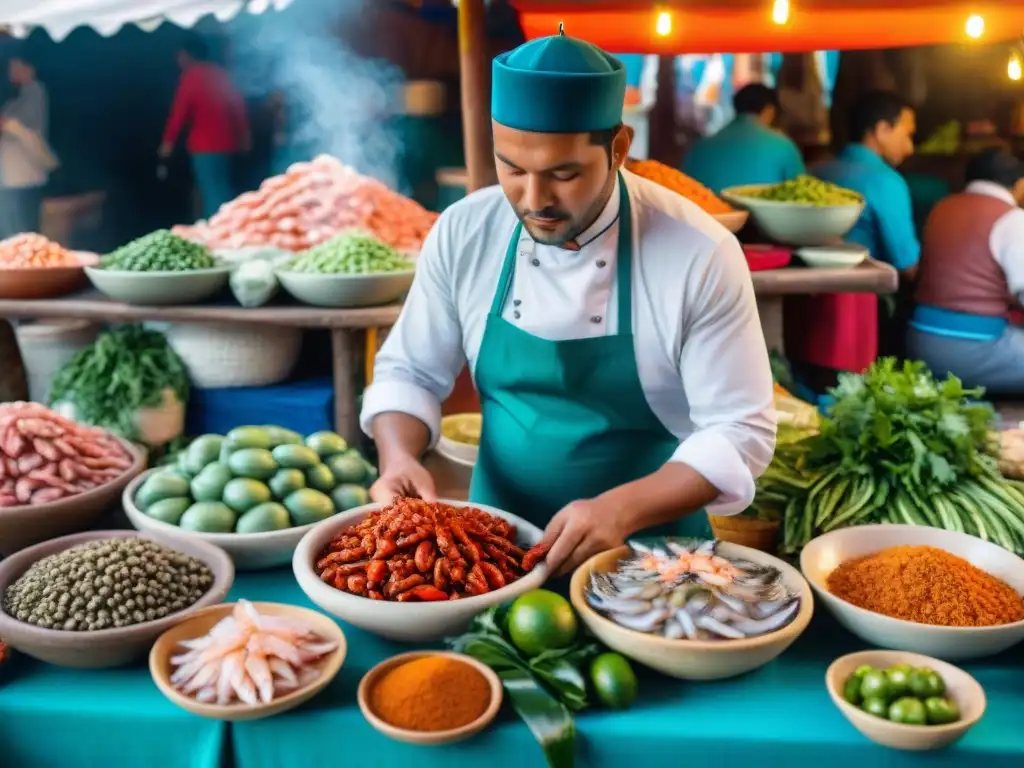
221,355
746,531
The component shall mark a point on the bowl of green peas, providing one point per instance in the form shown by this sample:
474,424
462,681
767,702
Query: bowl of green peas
159,269
905,700
352,269
800,211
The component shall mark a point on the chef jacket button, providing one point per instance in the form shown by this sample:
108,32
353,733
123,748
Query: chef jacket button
516,302
602,263
516,314
535,262
595,319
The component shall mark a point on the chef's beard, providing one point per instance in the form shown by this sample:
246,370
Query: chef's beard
571,227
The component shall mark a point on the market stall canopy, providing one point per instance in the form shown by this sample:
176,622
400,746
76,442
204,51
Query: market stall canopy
60,17
759,26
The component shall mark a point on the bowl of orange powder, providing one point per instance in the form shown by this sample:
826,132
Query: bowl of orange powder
925,590
430,697
34,267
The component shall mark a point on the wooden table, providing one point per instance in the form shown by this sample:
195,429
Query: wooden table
772,285
347,328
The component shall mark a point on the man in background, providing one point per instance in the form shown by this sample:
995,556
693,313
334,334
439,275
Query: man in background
211,107
26,160
843,334
971,276
748,150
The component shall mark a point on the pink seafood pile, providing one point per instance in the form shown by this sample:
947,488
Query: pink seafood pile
309,204
249,657
45,457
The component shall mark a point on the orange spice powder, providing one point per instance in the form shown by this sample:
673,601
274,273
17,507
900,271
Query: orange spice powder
928,586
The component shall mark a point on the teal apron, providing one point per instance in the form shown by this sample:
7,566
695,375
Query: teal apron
565,420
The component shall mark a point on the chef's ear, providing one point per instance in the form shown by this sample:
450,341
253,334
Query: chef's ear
621,143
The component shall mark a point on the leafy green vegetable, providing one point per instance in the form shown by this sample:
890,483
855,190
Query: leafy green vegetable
124,370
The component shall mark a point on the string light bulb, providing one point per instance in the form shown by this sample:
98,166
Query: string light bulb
780,11
975,26
1015,67
663,24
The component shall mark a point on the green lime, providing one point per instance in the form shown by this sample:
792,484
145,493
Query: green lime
614,681
898,682
851,689
875,685
875,706
541,620
940,711
925,682
862,670
908,710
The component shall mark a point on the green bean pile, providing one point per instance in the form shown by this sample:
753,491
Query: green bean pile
159,251
807,190
350,254
124,370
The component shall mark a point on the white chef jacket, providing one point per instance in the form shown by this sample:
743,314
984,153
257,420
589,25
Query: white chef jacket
1007,237
700,351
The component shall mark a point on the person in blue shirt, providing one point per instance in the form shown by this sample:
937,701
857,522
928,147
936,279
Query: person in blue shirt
748,150
882,126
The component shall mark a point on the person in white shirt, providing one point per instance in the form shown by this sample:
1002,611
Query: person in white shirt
26,160
610,326
971,275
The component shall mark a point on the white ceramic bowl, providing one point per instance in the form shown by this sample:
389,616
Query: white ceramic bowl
796,223
823,554
405,622
842,256
463,454
960,687
249,551
694,659
159,288
346,291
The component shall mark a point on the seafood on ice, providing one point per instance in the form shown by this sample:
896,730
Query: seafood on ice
683,589
249,657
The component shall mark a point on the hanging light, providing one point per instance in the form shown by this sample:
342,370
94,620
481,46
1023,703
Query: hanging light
1015,67
975,26
780,11
663,24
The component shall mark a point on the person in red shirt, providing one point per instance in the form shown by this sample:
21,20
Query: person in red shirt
211,107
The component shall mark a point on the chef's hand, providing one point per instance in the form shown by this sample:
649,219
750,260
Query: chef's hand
164,150
581,530
404,477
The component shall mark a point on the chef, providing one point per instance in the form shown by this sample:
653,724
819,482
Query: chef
609,324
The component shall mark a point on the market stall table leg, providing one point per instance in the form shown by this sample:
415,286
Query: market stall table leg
345,351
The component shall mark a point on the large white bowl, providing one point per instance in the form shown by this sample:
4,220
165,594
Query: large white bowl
159,288
346,291
249,551
405,622
823,554
694,659
796,223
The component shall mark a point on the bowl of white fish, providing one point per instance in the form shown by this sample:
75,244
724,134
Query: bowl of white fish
690,608
244,661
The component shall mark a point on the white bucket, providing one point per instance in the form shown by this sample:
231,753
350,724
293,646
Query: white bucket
46,346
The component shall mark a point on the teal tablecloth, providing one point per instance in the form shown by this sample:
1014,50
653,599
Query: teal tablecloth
776,716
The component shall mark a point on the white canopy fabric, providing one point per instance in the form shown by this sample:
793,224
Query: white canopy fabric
60,17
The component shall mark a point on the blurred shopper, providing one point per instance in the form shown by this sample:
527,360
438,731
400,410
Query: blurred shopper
748,150
972,276
211,108
26,159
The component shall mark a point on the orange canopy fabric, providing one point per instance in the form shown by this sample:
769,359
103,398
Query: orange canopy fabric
746,26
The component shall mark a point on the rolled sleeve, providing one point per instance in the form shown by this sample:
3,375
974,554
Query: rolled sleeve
415,370
728,382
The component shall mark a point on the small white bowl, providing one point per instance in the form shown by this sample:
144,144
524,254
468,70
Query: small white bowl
159,288
249,551
463,454
960,687
825,553
345,291
842,256
405,622
429,738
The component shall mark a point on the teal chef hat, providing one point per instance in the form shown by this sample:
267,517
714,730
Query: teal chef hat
558,84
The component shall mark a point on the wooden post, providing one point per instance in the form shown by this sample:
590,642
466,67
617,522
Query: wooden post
474,69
